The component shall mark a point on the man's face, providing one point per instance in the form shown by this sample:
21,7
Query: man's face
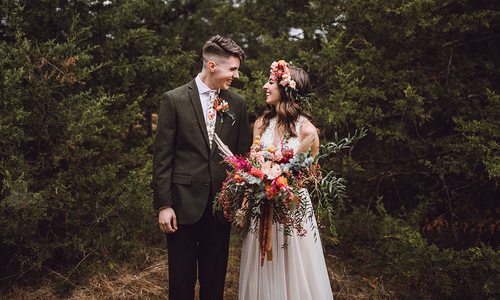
225,71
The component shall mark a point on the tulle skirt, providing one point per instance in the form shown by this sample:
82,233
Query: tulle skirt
297,271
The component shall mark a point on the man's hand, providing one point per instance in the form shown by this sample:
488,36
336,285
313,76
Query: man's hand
167,220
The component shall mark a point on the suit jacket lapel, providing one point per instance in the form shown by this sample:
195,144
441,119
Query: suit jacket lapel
196,102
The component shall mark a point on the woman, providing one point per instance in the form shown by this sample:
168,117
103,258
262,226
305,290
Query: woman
297,271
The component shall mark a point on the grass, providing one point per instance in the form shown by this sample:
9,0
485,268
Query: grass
148,280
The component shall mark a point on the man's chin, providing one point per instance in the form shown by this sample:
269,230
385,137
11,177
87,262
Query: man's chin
226,85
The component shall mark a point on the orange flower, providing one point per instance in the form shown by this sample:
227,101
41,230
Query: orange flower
237,177
281,182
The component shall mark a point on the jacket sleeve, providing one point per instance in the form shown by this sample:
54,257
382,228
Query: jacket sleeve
163,154
243,131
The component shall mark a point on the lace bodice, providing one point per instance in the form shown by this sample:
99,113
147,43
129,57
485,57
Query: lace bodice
267,136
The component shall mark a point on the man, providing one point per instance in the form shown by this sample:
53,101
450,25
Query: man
188,173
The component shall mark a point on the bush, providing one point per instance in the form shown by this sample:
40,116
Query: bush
75,135
385,247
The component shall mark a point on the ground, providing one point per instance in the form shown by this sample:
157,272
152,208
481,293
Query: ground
149,280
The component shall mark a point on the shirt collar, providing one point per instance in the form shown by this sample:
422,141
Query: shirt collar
202,87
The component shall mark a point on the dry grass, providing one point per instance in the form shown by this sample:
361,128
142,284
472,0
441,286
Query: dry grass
149,281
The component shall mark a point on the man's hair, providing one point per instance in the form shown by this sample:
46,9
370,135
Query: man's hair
222,46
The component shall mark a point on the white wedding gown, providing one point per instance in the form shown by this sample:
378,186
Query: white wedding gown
295,272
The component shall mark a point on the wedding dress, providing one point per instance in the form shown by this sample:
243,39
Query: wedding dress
297,271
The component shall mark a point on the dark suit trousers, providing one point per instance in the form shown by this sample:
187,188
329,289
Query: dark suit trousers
204,244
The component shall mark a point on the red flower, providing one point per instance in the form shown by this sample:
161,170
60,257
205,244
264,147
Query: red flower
257,173
271,192
287,155
220,105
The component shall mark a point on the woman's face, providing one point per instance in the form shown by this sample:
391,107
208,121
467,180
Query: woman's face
272,92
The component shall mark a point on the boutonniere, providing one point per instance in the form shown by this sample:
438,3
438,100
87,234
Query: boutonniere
222,107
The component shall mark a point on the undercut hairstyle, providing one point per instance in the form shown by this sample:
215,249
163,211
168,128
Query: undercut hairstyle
289,109
222,46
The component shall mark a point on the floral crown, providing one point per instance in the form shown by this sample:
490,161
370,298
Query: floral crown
280,73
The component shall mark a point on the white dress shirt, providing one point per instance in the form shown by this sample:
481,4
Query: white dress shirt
204,91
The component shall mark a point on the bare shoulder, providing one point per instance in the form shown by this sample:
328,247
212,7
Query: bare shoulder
258,122
309,138
307,129
257,127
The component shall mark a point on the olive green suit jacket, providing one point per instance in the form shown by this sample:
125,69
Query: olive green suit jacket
185,169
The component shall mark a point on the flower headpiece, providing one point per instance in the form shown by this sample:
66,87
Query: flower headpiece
280,73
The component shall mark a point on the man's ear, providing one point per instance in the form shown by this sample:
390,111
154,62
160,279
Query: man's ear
211,66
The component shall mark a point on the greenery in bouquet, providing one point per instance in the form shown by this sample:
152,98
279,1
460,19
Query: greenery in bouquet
268,179
269,184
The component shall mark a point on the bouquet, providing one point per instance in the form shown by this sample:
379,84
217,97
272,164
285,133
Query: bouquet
268,185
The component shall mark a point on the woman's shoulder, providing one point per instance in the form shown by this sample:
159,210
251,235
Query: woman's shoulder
259,121
257,126
307,127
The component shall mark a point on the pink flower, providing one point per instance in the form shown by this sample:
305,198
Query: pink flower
239,163
277,156
271,170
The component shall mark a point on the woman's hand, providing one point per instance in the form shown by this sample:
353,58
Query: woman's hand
240,218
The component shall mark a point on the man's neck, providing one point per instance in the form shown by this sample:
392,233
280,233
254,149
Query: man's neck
206,78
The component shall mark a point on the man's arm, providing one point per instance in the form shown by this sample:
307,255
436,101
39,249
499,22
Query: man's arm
162,166
163,155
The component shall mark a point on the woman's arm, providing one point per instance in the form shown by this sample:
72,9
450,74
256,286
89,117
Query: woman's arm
256,128
309,138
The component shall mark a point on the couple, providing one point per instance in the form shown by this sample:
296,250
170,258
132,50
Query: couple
188,172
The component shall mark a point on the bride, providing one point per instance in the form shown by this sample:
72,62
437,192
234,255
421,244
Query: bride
297,271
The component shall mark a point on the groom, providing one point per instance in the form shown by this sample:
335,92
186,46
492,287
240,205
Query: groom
188,170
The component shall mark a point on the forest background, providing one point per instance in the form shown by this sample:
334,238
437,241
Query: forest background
80,81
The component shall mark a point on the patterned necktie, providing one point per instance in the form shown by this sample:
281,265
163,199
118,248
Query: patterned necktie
211,116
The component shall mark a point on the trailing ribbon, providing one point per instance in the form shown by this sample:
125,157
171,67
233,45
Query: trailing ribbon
266,232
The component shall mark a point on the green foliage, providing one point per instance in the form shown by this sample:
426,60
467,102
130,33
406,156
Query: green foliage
386,247
329,192
410,72
79,81
76,133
